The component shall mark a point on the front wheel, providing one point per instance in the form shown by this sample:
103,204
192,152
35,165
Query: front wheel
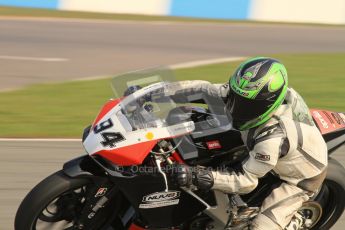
55,203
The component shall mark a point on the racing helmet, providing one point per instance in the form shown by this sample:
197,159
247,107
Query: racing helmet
256,90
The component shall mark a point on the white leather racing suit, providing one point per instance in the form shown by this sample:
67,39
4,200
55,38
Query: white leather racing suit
289,145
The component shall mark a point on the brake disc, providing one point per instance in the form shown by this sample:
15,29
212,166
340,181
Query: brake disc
312,211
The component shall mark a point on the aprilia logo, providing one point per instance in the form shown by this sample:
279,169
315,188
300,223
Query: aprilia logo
213,145
161,196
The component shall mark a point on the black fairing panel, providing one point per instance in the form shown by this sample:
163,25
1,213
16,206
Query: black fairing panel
135,187
83,166
228,140
139,186
212,137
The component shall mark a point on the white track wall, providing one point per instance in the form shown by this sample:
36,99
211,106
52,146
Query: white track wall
305,11
148,7
311,11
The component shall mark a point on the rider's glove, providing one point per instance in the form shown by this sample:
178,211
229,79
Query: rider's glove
198,176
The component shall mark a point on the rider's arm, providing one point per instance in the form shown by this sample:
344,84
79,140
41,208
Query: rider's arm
262,159
180,90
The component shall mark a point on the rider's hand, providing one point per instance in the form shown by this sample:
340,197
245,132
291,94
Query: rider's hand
198,176
181,175
202,178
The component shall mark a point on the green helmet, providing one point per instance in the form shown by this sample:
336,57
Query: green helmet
257,89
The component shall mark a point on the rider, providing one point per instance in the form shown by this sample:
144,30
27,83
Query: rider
279,133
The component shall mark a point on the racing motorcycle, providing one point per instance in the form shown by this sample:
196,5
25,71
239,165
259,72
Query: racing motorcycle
123,181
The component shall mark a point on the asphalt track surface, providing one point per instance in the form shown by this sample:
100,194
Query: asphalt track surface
34,51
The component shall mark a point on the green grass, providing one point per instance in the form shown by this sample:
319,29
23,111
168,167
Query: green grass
62,110
44,13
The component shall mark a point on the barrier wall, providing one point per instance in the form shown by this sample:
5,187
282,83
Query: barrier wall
148,7
310,11
220,9
48,4
313,11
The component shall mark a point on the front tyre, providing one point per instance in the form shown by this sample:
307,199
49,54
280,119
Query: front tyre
54,203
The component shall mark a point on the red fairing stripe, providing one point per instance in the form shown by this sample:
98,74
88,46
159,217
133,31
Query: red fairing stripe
177,157
328,121
106,108
128,155
135,227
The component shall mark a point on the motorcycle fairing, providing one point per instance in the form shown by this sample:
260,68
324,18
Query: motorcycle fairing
120,156
328,121
106,108
117,136
135,227
136,188
331,126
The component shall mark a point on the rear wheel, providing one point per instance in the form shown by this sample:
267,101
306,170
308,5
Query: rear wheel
56,203
332,204
331,196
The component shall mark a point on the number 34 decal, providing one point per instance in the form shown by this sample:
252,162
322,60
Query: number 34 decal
109,138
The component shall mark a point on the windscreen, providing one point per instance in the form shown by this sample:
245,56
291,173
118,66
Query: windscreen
154,99
146,100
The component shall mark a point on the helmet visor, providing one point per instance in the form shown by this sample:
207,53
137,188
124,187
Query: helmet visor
242,109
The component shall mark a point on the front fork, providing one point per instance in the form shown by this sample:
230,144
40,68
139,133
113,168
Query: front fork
97,199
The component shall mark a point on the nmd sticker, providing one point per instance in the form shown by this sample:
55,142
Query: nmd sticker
160,199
